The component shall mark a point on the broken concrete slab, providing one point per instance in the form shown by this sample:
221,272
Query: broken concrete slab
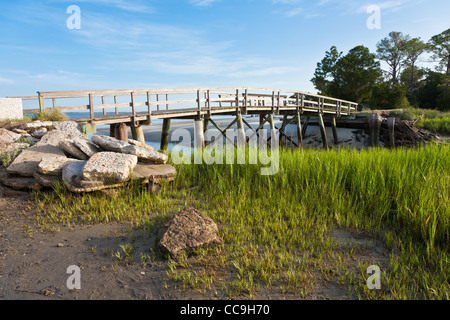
71,128
87,147
109,143
52,165
37,124
109,167
69,147
39,133
22,183
7,136
47,180
26,163
145,155
71,174
140,144
188,231
156,172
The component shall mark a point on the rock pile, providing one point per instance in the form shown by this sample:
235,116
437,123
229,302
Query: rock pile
40,154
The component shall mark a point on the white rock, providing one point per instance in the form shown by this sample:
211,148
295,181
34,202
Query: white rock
109,167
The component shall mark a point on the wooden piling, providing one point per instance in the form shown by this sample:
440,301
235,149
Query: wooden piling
299,130
112,130
165,134
322,131
121,132
137,132
241,130
391,128
305,126
374,123
333,127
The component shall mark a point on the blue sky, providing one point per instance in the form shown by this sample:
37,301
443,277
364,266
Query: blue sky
190,43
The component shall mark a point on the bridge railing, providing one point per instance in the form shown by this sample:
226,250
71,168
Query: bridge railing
100,105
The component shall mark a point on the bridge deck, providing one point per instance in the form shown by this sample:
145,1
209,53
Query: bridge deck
143,105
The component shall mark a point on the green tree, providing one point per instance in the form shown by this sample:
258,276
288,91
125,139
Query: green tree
428,96
326,71
392,51
413,49
350,77
388,96
440,46
412,80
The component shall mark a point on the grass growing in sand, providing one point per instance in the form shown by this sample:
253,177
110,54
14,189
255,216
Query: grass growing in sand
276,229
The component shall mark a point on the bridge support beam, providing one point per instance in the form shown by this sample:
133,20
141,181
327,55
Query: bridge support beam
165,135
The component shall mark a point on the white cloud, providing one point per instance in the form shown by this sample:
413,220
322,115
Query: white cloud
202,3
6,81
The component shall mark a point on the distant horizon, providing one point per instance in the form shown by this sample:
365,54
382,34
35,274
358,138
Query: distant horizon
192,43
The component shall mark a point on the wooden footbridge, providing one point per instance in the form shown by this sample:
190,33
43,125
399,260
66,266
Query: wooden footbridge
137,107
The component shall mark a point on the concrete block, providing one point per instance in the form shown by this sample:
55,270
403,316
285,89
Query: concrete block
11,108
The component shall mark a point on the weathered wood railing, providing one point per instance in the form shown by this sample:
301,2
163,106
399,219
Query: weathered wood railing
145,104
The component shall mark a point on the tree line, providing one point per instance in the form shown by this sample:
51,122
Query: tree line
358,76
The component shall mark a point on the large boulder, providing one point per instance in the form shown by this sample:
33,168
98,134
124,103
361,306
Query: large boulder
109,167
27,162
188,231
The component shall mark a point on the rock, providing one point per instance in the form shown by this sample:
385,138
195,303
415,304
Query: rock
109,167
86,146
145,155
188,231
111,144
39,133
26,163
52,165
20,183
30,139
70,148
71,174
157,172
72,179
37,124
140,144
12,148
46,180
7,136
71,128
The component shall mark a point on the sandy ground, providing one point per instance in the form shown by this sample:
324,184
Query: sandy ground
35,267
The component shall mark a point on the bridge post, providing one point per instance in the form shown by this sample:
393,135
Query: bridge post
299,130
112,130
322,130
121,132
333,126
165,134
241,130
305,126
137,132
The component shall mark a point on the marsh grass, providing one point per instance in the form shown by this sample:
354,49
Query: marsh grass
276,229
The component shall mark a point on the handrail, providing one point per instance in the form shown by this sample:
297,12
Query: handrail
204,99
